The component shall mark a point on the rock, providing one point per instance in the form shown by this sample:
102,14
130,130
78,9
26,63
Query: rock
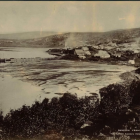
87,123
101,135
87,128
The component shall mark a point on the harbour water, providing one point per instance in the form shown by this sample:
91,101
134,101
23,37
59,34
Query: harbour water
14,52
58,77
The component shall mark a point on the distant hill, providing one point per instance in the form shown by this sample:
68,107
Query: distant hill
71,39
74,39
26,35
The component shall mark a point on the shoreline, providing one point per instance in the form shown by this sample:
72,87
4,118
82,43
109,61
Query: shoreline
87,104
55,86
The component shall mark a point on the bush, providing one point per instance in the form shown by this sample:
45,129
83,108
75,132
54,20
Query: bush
135,92
137,71
114,99
68,113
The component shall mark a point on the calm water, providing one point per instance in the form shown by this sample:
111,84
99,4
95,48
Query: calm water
14,96
13,92
12,52
81,78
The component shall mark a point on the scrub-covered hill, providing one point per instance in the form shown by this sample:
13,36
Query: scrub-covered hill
26,35
72,39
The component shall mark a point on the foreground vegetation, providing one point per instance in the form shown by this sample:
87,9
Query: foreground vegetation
69,117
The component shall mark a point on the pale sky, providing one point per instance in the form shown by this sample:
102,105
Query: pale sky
24,16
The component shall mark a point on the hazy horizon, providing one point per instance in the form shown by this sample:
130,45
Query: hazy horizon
69,31
61,16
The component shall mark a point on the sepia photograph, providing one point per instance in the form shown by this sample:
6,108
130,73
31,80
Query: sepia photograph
69,70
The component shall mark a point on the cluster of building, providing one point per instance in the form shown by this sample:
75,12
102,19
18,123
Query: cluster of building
6,41
110,50
96,50
84,52
107,46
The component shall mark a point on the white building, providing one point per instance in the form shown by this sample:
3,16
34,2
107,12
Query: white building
131,62
102,54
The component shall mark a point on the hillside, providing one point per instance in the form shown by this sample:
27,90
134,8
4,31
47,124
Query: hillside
71,39
26,35
91,38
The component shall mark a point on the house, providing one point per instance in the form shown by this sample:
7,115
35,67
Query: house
80,53
102,54
81,56
96,47
112,44
7,60
131,62
22,60
118,49
85,48
37,58
117,54
87,52
18,60
101,47
136,51
31,59
12,60
93,52
115,40
108,47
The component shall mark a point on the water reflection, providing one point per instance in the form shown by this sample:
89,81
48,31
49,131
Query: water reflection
14,93
14,52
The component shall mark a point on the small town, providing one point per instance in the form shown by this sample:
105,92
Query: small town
109,52
70,70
